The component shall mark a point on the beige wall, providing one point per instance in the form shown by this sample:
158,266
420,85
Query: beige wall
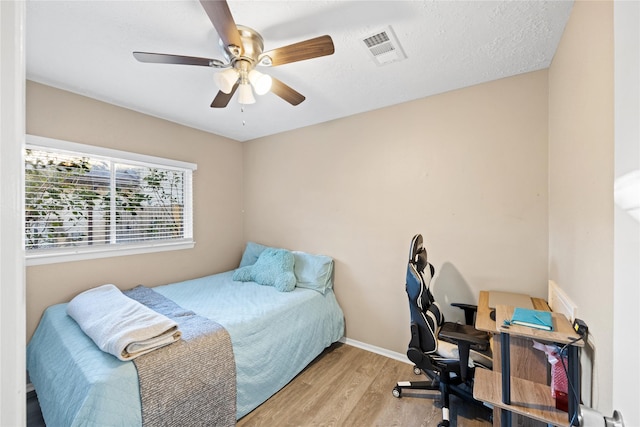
467,169
217,187
581,148
356,189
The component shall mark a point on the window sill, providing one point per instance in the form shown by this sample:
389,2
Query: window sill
81,254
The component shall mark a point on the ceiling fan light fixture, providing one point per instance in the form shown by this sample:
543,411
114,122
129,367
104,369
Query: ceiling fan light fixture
244,49
245,94
226,79
261,82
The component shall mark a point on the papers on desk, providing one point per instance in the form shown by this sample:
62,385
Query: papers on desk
532,318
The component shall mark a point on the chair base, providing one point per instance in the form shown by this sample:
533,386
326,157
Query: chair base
414,385
462,390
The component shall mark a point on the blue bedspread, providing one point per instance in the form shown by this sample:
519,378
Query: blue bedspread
274,336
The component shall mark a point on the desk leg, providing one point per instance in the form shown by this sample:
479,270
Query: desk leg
574,384
505,416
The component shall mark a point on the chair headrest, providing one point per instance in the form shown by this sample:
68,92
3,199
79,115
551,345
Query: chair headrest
417,253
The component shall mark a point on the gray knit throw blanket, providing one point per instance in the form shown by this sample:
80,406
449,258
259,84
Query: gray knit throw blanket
191,382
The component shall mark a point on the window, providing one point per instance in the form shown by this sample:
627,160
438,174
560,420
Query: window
86,202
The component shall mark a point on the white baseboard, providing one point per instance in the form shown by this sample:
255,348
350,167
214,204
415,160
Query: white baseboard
378,350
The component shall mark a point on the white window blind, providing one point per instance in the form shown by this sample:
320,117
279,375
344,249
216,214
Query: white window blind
83,201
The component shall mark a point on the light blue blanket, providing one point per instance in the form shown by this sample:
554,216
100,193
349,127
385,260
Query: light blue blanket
274,336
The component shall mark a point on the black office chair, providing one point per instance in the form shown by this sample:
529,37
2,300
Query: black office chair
441,350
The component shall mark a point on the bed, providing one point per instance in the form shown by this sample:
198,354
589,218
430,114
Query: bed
274,335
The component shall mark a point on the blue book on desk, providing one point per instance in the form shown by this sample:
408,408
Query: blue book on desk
532,318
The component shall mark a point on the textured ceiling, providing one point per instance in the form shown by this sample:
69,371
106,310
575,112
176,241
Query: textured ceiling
86,47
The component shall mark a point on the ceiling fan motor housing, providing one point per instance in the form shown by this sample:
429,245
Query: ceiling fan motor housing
252,46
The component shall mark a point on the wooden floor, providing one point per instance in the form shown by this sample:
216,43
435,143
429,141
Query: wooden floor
347,386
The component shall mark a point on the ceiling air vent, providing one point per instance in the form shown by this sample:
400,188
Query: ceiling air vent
384,47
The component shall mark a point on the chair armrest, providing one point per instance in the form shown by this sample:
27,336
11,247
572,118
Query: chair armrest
469,311
464,336
461,336
464,306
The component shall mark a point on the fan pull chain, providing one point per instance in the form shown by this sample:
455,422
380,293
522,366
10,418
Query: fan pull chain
242,111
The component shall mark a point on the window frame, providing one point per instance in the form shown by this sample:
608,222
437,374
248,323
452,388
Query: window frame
67,254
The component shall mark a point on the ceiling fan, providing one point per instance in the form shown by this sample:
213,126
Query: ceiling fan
243,49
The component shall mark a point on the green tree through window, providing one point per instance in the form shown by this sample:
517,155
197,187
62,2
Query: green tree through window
76,200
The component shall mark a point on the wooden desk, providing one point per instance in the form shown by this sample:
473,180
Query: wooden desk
483,319
526,368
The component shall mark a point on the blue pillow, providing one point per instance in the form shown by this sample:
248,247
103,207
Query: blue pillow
313,271
274,267
251,253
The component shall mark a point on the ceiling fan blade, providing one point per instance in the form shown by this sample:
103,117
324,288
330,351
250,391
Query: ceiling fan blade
164,58
285,92
222,20
312,48
222,99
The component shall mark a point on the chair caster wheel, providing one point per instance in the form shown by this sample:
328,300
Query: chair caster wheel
417,370
397,392
444,423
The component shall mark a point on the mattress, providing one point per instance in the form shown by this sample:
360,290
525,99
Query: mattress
274,336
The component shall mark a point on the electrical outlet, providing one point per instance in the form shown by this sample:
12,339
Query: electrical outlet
580,327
